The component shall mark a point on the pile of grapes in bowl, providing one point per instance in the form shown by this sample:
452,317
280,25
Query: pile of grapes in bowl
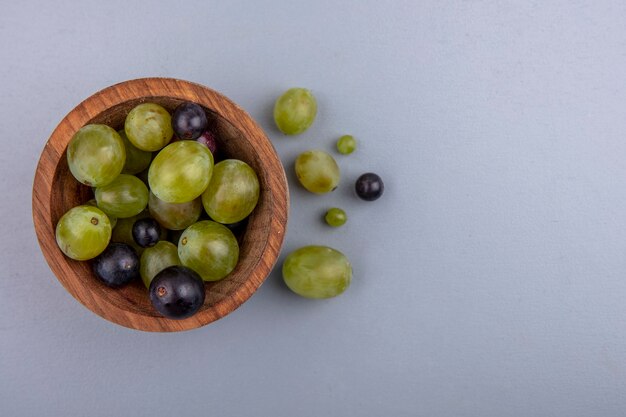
160,204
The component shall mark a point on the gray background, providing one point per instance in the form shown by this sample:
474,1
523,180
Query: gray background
489,281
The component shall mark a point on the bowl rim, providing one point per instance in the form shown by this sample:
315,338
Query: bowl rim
144,88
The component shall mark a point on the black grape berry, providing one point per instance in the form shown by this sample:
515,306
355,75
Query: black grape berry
369,186
189,121
238,227
207,138
117,265
177,292
146,232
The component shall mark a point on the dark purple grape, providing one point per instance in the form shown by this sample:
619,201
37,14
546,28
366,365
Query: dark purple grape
117,265
207,138
239,227
177,292
189,121
146,232
369,186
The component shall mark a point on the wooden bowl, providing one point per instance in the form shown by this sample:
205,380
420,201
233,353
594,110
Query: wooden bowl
55,191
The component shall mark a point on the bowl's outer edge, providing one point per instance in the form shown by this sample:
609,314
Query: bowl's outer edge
157,87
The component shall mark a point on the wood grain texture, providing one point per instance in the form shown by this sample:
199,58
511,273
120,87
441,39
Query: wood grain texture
55,191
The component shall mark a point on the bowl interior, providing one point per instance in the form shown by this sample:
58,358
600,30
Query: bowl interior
66,193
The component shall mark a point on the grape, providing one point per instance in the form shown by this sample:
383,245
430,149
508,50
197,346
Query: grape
317,272
317,171
96,155
335,217
123,231
181,171
175,216
346,144
146,232
136,159
369,186
156,259
126,196
208,139
177,292
83,232
232,193
189,121
149,127
94,203
210,249
295,111
117,265
238,228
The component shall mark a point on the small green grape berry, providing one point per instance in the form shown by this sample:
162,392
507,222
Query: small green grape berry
317,171
295,111
346,144
317,272
335,217
83,232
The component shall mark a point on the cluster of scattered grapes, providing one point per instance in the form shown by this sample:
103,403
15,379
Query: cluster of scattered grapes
148,190
319,271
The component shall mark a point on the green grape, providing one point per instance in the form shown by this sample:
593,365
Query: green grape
96,155
232,193
136,159
181,171
149,127
295,111
126,196
317,171
335,217
346,144
157,258
210,249
317,272
83,232
94,203
174,216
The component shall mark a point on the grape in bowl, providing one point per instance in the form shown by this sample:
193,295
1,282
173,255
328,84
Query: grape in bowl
55,191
